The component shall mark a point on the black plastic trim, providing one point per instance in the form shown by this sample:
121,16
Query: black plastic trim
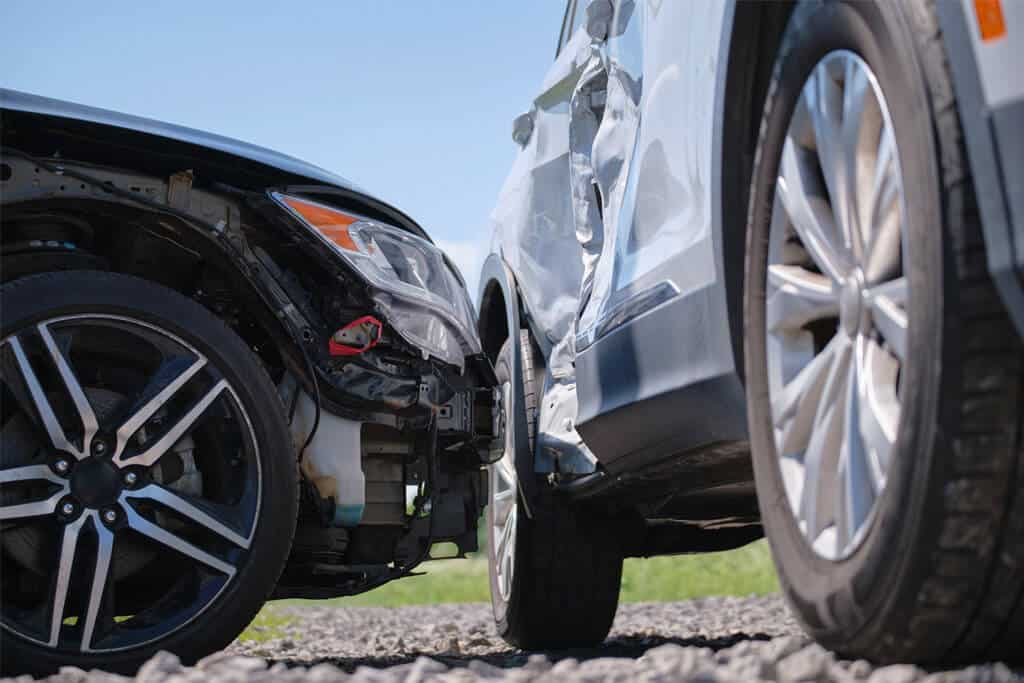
658,386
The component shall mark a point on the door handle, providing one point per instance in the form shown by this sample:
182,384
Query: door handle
522,128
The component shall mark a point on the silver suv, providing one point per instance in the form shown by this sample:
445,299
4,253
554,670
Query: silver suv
759,269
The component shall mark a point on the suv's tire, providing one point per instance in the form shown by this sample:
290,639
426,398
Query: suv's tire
934,575
233,463
566,566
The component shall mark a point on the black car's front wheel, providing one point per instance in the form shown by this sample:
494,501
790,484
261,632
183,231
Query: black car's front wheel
147,481
885,387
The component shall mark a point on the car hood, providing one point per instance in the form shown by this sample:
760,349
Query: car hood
47,106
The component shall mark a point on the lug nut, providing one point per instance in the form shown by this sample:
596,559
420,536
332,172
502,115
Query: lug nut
62,466
67,508
99,447
130,478
109,516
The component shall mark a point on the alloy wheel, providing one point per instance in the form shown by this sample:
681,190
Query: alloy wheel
129,483
836,304
504,502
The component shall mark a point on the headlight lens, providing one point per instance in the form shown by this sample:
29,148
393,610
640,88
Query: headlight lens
420,295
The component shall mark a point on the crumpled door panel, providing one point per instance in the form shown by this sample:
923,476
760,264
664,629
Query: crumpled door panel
607,212
618,63
604,118
658,203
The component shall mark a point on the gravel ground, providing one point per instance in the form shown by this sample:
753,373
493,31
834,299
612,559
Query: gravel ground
714,639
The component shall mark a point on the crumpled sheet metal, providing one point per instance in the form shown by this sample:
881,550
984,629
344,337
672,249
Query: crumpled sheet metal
604,119
631,182
650,163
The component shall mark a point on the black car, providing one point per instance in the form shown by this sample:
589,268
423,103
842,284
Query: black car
227,375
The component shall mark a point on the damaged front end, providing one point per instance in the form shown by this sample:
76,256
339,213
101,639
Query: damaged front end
364,326
391,450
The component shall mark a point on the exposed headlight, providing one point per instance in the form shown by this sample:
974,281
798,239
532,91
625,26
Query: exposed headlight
418,293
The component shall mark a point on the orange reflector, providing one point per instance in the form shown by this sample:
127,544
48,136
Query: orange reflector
332,224
990,19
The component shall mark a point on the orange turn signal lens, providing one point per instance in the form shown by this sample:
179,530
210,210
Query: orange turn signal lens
330,223
990,19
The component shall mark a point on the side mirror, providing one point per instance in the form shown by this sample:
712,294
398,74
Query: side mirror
599,18
522,128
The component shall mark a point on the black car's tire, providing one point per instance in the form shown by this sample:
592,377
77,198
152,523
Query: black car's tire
263,515
568,569
937,576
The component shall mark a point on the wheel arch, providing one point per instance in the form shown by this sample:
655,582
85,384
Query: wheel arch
494,315
500,314
182,247
751,39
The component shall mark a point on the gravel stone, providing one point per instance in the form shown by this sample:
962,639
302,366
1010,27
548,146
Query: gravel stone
711,640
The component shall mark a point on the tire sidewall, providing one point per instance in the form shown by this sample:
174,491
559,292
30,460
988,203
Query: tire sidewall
837,600
36,298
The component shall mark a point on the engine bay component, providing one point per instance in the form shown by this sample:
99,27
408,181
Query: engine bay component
385,453
332,460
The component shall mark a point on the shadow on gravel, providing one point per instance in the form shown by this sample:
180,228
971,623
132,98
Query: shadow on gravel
624,647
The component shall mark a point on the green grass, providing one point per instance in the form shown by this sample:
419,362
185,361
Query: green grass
744,571
268,624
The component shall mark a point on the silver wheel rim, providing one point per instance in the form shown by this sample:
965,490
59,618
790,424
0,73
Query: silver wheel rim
128,447
504,502
836,303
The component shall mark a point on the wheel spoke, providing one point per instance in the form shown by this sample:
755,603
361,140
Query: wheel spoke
823,446
505,545
503,502
29,473
37,508
809,213
54,431
506,470
878,407
826,104
881,212
797,296
101,572
796,406
152,452
68,546
504,539
861,124
888,309
160,535
85,412
856,477
504,555
164,496
161,395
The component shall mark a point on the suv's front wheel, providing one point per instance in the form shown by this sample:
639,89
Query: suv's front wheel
554,576
885,388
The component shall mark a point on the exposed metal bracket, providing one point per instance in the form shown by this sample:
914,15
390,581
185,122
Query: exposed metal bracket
179,189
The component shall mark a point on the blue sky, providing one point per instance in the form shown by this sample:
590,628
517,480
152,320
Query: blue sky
411,99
